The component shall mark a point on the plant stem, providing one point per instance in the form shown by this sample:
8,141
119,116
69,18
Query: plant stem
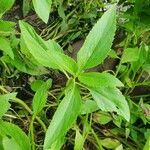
31,132
30,111
97,139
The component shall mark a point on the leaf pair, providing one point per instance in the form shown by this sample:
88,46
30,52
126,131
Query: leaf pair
94,51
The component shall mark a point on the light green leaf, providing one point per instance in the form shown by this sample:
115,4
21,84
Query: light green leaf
40,97
102,117
111,99
13,131
146,67
47,53
79,141
24,65
98,43
6,27
36,84
147,145
6,47
4,104
110,143
1,143
113,54
89,106
130,54
58,144
95,79
5,5
42,8
10,143
64,117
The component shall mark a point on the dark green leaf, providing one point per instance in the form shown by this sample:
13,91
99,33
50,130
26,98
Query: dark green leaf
26,7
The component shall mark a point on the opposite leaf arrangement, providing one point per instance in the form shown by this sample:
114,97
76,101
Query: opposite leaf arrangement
102,86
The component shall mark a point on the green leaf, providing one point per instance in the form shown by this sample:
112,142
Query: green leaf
89,106
6,27
42,8
1,143
36,84
146,68
98,43
110,143
47,53
147,145
9,144
113,54
14,132
79,141
26,7
65,115
40,97
143,55
111,99
102,117
57,144
6,47
5,5
130,54
95,79
4,104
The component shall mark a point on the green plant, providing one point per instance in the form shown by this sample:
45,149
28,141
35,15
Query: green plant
39,6
102,86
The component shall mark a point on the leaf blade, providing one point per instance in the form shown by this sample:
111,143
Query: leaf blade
16,133
6,47
70,107
95,79
40,97
42,8
5,105
111,99
93,53
48,54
